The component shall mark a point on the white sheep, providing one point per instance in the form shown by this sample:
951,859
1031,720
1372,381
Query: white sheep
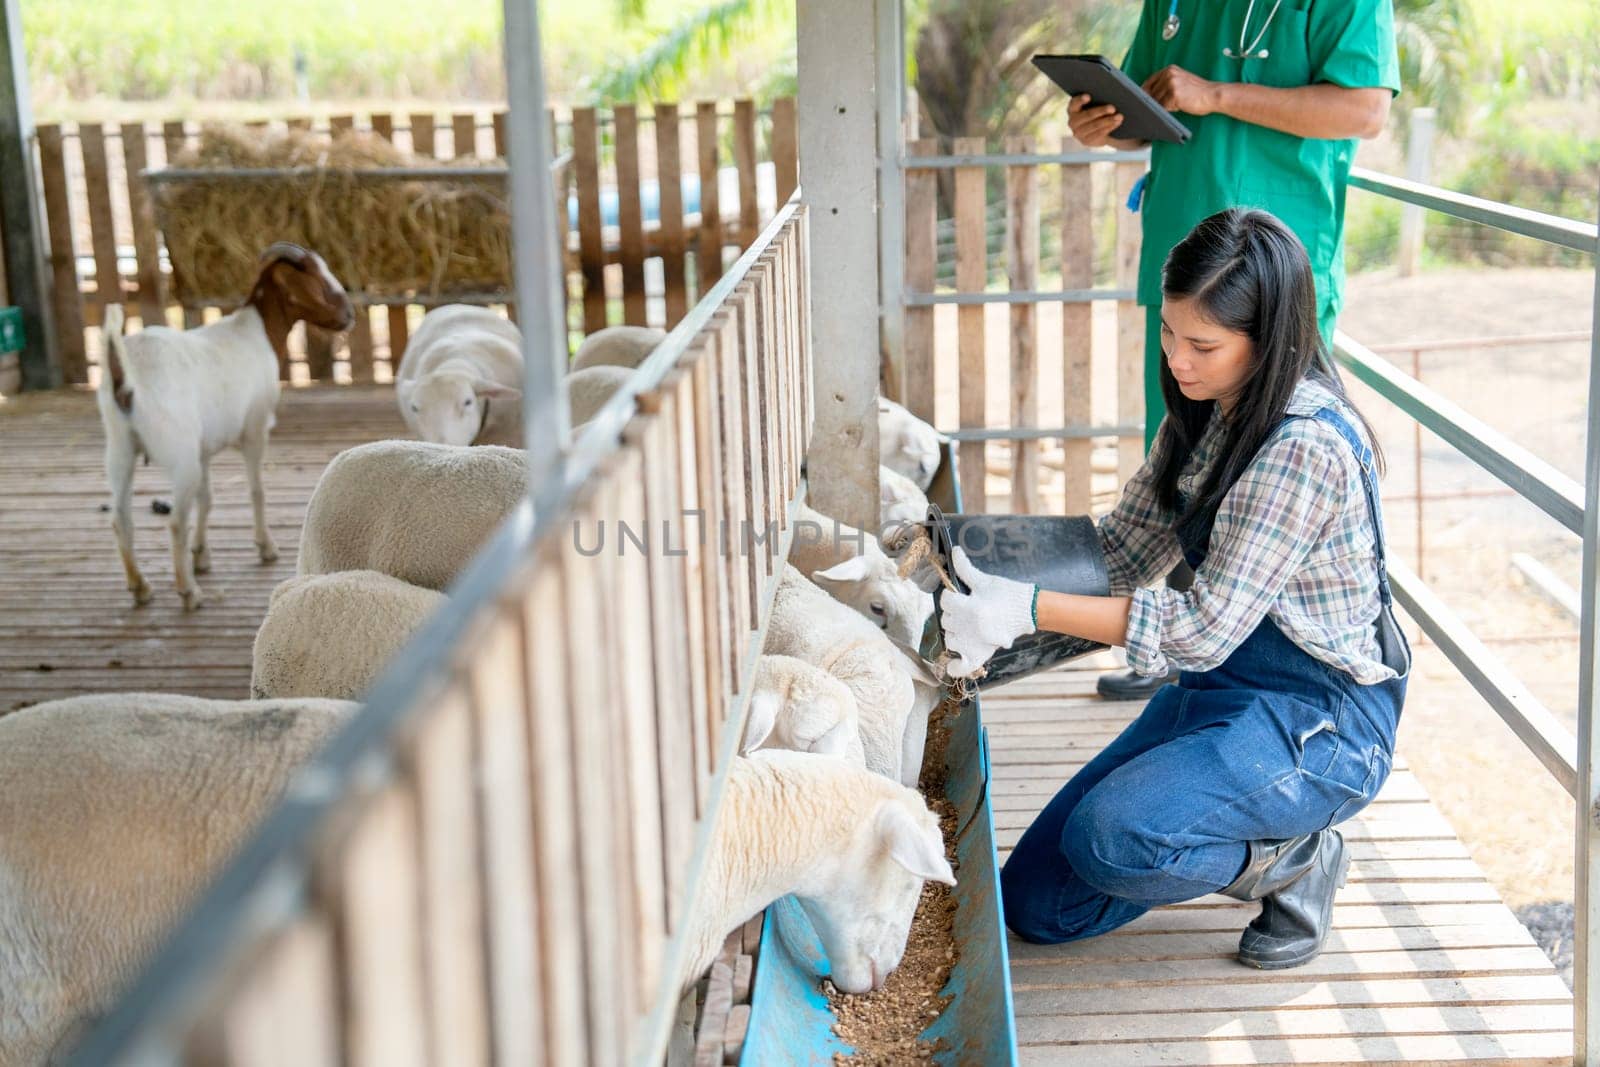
460,382
908,445
617,346
329,635
800,707
809,624
178,397
851,565
116,812
589,389
853,848
899,500
409,509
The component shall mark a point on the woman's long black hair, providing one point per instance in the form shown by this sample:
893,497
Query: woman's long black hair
1248,273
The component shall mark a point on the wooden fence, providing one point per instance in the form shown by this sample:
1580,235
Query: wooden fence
1094,238
494,862
105,245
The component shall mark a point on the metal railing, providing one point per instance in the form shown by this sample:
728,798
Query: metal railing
1574,762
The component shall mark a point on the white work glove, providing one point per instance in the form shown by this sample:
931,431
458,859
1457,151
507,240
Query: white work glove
994,614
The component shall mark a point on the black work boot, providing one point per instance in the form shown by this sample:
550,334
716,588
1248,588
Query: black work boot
1295,880
1126,685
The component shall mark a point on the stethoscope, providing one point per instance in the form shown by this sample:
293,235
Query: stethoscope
1170,30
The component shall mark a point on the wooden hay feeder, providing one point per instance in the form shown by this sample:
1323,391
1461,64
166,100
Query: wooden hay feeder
392,228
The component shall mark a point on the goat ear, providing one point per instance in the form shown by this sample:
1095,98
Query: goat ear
913,844
758,725
855,569
494,390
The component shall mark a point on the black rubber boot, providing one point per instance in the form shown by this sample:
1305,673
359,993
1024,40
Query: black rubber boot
1126,685
1295,880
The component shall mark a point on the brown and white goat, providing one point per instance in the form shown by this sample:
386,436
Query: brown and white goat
178,397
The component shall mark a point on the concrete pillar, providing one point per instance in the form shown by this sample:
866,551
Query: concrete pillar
20,219
845,72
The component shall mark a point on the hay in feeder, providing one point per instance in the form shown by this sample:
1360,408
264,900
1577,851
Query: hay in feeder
426,238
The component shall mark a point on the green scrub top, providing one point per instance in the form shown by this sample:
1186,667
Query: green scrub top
1228,163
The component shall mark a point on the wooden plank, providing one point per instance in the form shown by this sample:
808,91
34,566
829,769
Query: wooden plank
641,744
744,157
704,494
1327,967
66,300
591,240
709,254
283,1009
1077,326
464,135
152,301
656,434
1412,1050
785,148
320,343
630,220
735,462
498,695
176,139
1290,993
971,276
922,200
1232,919
300,123
102,227
1187,946
589,723
373,874
1130,329
360,341
1315,1022
1022,269
755,486
556,815
422,134
502,139
669,173
453,893
394,314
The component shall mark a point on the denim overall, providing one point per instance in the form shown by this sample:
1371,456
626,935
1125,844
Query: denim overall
1271,744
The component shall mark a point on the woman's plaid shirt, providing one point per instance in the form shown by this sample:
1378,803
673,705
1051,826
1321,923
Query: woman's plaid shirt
1293,541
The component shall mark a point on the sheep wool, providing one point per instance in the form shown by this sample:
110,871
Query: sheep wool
412,510
328,635
116,811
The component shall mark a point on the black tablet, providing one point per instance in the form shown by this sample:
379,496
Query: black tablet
1142,118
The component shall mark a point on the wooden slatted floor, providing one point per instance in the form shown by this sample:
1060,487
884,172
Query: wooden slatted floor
67,624
1425,964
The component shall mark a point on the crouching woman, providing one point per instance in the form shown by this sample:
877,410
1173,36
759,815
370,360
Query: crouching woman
1282,723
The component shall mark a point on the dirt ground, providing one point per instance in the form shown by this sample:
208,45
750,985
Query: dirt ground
1511,814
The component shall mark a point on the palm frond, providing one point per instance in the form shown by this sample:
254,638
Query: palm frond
707,32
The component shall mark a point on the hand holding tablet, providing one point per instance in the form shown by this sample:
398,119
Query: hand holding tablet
1112,96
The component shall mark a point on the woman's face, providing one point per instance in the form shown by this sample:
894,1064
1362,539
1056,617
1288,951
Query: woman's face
1208,361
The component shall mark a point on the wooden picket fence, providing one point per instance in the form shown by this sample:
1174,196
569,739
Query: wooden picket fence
1094,237
496,859
105,245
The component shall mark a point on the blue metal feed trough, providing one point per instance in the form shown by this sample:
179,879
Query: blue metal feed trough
790,1022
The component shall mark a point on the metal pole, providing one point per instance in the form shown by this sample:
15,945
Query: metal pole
19,209
537,261
1419,155
1416,455
1586,982
891,197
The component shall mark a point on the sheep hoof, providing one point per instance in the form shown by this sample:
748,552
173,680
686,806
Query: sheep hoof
269,552
202,559
191,599
141,593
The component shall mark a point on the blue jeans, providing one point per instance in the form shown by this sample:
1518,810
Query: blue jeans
1163,813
